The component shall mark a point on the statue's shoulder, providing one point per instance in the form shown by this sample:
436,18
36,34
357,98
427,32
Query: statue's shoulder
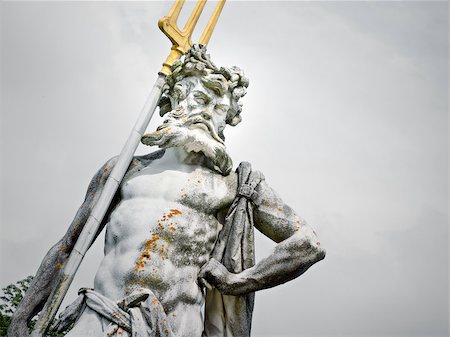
138,162
243,178
248,182
146,160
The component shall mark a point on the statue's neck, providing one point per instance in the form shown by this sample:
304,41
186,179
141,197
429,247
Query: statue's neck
178,155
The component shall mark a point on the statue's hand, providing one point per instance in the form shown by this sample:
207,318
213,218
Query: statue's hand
217,275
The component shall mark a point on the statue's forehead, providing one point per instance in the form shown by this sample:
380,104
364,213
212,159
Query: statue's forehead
191,81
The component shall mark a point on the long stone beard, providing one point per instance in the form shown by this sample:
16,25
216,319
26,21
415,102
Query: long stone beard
195,135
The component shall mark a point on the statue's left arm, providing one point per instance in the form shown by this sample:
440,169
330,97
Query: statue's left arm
297,249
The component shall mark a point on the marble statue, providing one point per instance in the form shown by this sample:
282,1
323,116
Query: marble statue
179,253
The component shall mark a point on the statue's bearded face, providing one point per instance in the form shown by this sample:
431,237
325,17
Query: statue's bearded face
196,123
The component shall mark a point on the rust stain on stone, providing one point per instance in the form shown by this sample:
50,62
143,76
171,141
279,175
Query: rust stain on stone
175,212
165,218
149,247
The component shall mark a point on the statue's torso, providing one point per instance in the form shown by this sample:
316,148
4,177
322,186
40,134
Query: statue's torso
160,234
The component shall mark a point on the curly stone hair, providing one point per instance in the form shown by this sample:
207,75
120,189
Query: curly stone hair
197,63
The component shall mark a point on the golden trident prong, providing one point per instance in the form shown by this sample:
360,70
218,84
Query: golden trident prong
182,39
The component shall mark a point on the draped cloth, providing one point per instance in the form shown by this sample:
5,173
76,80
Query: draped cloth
226,315
138,315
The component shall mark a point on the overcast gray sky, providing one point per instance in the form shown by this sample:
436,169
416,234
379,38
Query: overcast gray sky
346,115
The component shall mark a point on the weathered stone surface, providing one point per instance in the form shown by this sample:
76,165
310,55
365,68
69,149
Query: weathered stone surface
180,228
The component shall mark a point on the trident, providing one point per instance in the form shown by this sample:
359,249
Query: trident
181,43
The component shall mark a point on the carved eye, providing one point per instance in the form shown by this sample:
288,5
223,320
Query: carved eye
201,98
222,107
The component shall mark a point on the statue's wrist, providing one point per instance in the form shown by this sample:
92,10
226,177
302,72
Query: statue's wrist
240,283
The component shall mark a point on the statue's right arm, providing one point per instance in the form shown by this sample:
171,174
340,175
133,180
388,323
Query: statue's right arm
48,274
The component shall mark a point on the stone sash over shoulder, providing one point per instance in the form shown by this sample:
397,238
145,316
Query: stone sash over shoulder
226,315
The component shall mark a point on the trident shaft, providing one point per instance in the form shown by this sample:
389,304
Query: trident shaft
181,43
